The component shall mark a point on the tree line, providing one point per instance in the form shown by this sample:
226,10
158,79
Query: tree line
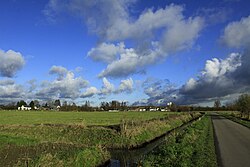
242,104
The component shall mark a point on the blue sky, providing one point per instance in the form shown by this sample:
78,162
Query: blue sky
189,52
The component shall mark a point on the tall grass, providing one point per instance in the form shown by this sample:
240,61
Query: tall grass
88,157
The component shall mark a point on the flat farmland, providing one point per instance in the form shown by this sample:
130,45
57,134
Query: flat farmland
88,118
49,138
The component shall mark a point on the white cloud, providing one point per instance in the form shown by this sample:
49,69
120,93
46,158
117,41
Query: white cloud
10,63
128,63
155,33
7,82
217,79
131,61
10,91
146,23
191,83
220,78
216,68
106,52
68,86
237,34
107,87
58,70
91,91
126,86
181,34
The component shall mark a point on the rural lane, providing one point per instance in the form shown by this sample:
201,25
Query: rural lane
232,142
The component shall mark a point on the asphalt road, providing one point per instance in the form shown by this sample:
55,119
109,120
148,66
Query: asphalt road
232,142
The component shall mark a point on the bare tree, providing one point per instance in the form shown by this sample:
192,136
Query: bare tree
217,104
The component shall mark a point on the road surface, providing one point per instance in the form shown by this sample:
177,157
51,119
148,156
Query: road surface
232,142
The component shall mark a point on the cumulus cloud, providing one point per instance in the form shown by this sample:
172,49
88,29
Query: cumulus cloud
128,63
59,71
66,86
220,78
179,34
10,63
215,80
107,87
237,34
111,21
10,91
91,91
106,52
126,86
7,82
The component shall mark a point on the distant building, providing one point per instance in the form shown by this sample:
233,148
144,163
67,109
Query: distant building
22,108
142,109
169,104
153,109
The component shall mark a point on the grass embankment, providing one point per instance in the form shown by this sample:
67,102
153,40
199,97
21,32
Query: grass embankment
89,157
192,147
235,116
132,131
15,140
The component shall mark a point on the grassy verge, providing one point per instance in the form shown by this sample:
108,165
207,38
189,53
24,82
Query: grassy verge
194,147
236,118
89,157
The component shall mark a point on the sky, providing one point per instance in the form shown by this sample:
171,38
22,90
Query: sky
143,52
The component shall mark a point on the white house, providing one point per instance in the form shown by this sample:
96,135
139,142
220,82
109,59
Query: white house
142,109
24,108
153,109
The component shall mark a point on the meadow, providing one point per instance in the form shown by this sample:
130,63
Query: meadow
68,138
89,118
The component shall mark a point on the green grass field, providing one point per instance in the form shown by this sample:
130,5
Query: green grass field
88,118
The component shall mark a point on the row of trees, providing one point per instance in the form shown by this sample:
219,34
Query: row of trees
73,107
243,105
114,105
